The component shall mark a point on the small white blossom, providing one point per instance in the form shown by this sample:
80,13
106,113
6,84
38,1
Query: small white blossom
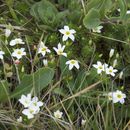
7,32
97,29
117,96
20,119
83,122
25,100
1,55
19,53
72,63
58,114
60,50
111,53
30,112
43,49
100,67
35,102
16,41
67,33
45,62
111,71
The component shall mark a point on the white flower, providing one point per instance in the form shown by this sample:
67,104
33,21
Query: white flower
67,33
83,122
111,71
30,112
43,49
97,29
20,119
118,96
18,53
45,62
58,114
60,50
1,55
25,100
111,53
7,32
72,63
100,67
16,41
121,75
36,103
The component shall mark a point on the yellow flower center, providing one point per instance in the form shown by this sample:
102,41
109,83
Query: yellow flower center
100,67
110,71
35,104
60,52
67,33
26,101
119,96
72,62
58,115
19,52
44,49
31,111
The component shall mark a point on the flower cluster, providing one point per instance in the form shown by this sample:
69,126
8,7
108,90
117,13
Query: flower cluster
19,52
116,96
31,105
67,33
104,68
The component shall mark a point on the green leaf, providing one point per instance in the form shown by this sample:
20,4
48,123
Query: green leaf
34,82
93,4
34,11
61,15
60,91
81,81
9,2
105,7
123,8
45,11
4,90
92,19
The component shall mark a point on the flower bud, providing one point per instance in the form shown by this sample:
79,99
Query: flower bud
7,32
17,62
117,55
121,75
111,53
45,62
114,62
